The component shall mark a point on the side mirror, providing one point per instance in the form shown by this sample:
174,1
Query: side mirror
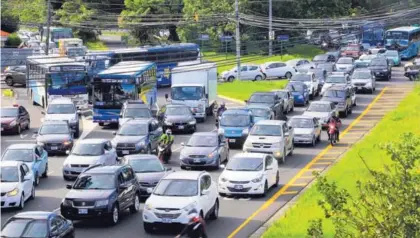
290,127
114,133
166,96
67,152
69,186
182,144
269,168
205,192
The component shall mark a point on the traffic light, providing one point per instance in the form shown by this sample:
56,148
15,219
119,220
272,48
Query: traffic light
195,17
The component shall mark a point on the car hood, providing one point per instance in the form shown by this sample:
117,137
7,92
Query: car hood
129,139
169,201
8,186
264,139
53,138
59,117
180,118
7,120
77,159
297,93
240,175
89,194
316,114
303,131
262,105
343,66
150,177
197,150
256,119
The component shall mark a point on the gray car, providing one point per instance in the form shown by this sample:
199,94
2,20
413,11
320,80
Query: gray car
149,170
363,80
55,136
63,109
204,149
307,130
345,64
177,118
15,74
288,99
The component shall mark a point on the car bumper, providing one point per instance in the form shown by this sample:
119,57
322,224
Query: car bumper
155,217
276,152
198,162
122,152
363,87
302,140
381,74
73,213
59,148
249,188
236,140
71,172
187,127
8,202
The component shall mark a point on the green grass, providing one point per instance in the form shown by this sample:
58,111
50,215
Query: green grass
241,90
113,33
405,118
96,45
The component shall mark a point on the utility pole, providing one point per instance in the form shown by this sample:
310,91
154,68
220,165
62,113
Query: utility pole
238,42
270,28
47,43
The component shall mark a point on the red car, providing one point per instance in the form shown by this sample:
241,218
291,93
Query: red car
14,119
352,50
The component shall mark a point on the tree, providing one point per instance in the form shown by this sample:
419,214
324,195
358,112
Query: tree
9,23
388,205
27,11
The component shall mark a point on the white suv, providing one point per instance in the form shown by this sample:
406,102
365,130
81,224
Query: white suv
177,196
63,109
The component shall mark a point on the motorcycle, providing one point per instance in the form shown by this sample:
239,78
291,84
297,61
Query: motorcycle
163,152
332,132
412,74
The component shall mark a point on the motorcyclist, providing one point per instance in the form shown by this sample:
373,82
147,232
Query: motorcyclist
337,122
167,139
221,109
195,227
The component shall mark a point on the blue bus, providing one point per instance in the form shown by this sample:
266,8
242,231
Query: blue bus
373,33
166,57
128,80
57,33
54,76
404,39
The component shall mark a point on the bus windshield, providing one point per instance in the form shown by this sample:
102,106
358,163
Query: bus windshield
113,94
396,35
67,80
62,34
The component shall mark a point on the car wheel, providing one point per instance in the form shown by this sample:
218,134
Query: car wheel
288,75
114,216
77,132
45,174
183,167
355,102
101,124
265,189
28,126
346,112
21,202
230,79
293,108
136,204
18,129
283,157
277,179
215,214
313,142
32,193
217,166
36,180
292,149
148,228
9,81
318,139
258,78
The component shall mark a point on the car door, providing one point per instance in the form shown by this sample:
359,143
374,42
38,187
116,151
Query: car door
221,147
269,170
254,71
131,181
270,70
122,186
245,74
205,199
20,75
25,185
23,117
38,165
155,133
291,100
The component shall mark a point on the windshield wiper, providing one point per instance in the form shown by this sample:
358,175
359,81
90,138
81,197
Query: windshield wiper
244,170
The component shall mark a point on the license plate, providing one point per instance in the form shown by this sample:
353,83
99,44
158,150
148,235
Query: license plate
126,152
54,148
359,88
232,140
197,160
83,211
166,220
238,187
181,127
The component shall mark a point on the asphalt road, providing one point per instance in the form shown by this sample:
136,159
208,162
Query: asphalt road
233,210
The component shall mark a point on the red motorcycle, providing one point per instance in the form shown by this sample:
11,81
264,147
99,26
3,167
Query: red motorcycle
332,132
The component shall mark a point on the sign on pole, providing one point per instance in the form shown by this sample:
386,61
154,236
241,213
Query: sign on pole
271,35
226,38
283,37
204,37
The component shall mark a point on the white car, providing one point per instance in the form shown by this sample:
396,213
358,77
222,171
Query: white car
17,184
277,70
345,64
179,194
248,72
249,173
86,153
307,130
336,79
309,80
299,63
321,110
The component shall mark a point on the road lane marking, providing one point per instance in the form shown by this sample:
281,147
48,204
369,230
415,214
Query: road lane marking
6,140
23,135
304,170
298,185
290,192
322,163
307,177
51,172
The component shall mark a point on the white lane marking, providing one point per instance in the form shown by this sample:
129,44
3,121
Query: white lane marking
19,140
23,135
88,126
51,172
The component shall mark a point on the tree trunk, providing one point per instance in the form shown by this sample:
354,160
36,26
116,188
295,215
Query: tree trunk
173,35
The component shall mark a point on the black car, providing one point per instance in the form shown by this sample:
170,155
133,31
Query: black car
341,96
324,58
269,99
177,118
102,192
14,119
55,136
381,68
38,224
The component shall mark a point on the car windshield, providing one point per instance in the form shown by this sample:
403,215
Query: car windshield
381,63
203,141
54,129
9,112
319,107
61,109
352,48
295,87
94,181
320,58
335,94
261,98
133,129
187,93
361,75
301,123
245,164
281,94
344,61
266,130
392,53
176,188
9,174
24,155
87,149
151,165
25,228
301,78
336,79
177,111
260,112
137,113
234,120
327,67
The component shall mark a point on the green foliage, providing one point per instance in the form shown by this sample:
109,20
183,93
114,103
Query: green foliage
9,23
13,40
96,45
27,11
241,90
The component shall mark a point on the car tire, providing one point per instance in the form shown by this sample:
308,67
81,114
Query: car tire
148,228
9,81
29,125
313,142
77,132
36,180
293,108
215,214
101,124
258,78
217,166
21,202
222,194
277,179
32,197
136,204
346,112
230,79
389,77
114,217
18,129
265,189
288,75
355,103
45,174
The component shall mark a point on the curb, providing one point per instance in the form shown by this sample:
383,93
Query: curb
232,99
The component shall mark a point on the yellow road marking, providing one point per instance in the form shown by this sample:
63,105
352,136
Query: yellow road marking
307,177
303,170
290,192
322,163
299,185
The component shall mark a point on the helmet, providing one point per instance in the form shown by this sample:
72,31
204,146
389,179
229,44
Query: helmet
222,104
168,131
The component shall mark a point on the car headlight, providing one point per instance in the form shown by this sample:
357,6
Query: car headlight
40,143
148,206
221,131
192,122
12,193
101,203
68,142
12,123
223,180
190,207
245,131
257,179
168,123
211,155
141,143
385,70
66,202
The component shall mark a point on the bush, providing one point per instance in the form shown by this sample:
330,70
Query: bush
13,40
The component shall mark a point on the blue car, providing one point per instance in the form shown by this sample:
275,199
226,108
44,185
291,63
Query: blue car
261,112
300,92
33,155
235,125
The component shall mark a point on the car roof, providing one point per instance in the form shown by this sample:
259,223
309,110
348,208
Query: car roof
270,122
263,93
93,141
54,122
346,58
22,146
34,215
337,87
62,100
139,121
321,102
192,175
7,163
249,155
210,133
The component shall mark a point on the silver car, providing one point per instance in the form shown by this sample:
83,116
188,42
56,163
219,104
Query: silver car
15,74
363,80
322,111
63,109
345,64
307,130
288,99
